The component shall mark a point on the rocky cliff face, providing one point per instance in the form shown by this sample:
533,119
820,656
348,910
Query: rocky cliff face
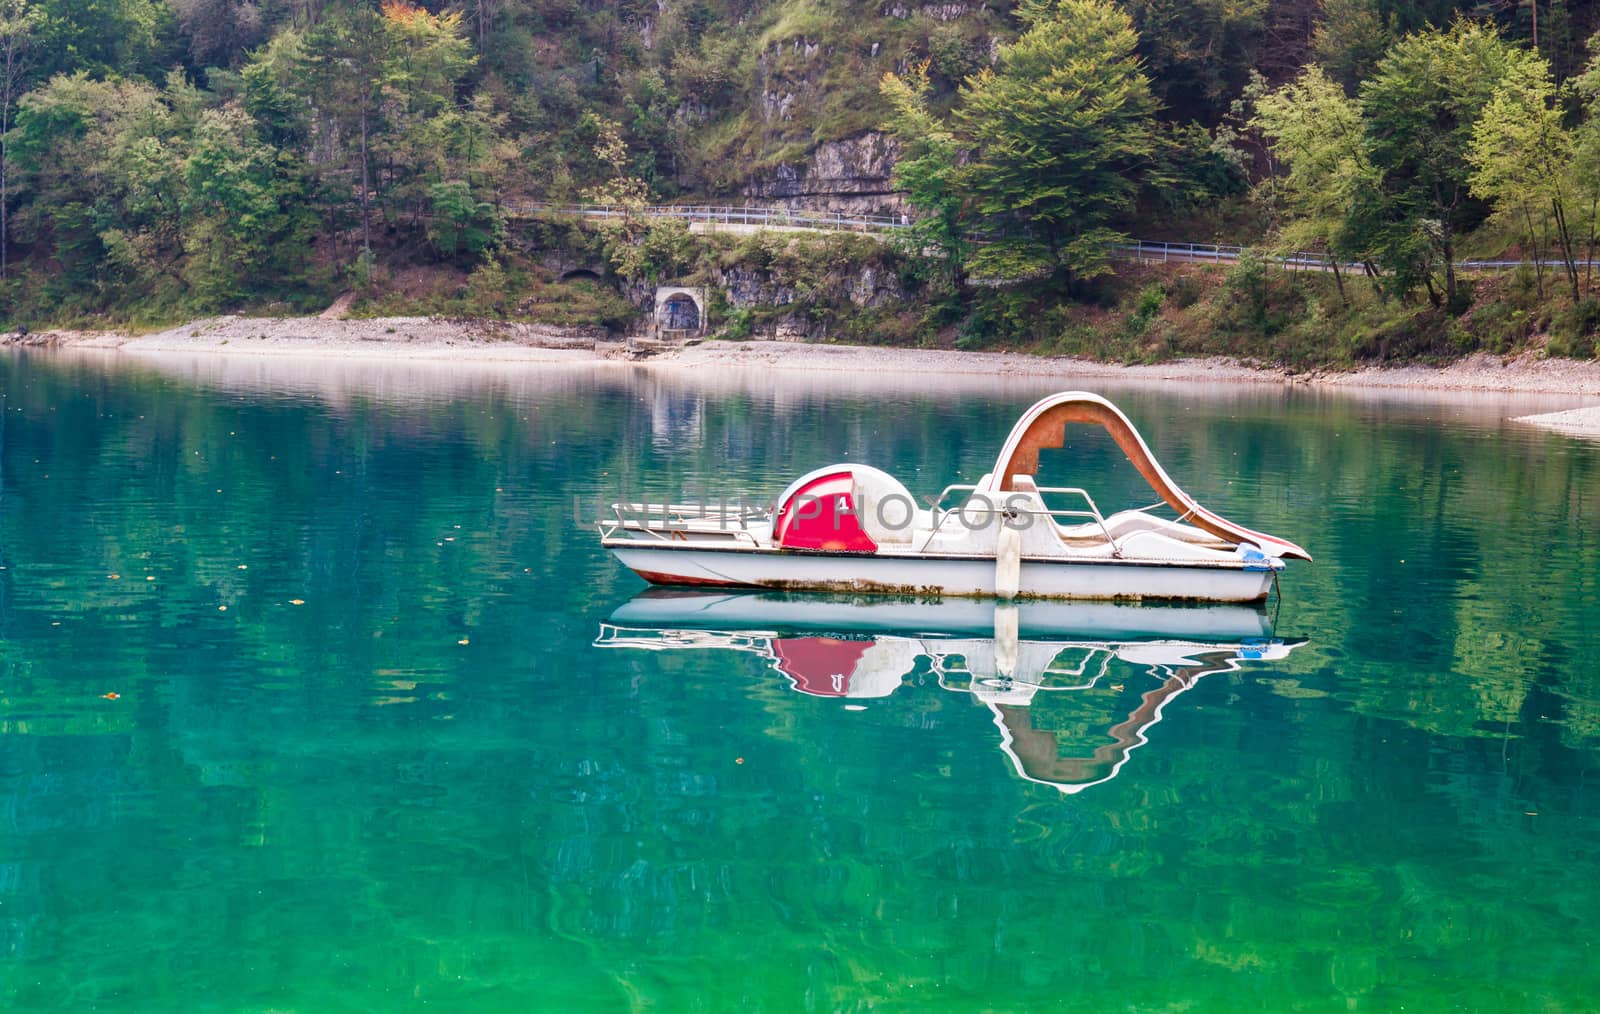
811,131
790,307
854,175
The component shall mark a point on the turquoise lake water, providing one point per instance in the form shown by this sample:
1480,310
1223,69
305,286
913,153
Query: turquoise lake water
312,698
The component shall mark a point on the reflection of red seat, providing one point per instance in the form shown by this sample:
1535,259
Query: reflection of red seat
819,666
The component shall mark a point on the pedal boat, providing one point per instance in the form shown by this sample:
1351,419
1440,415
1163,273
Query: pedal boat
853,528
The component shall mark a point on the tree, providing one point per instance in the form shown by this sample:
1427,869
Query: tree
1199,52
219,30
619,187
658,135
1420,111
476,158
460,222
344,64
429,56
98,159
1061,132
100,36
1522,157
18,20
271,81
483,15
1586,161
245,210
926,171
1350,39
1317,137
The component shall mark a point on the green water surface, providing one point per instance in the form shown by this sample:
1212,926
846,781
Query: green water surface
425,786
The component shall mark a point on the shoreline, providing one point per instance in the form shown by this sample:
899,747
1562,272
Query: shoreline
421,339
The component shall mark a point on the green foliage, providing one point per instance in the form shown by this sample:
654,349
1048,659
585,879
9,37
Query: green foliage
1184,291
1247,286
459,222
1421,108
101,37
193,199
618,187
270,92
100,162
1191,171
143,196
1317,134
1350,40
995,318
506,288
489,290
652,251
1199,52
288,147
927,171
363,272
245,213
1062,130
1454,127
1146,307
738,324
1574,327
341,75
1523,158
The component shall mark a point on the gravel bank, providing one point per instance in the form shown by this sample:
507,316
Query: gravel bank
1577,422
397,338
428,338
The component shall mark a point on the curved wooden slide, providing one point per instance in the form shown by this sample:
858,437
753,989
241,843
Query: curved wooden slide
1044,425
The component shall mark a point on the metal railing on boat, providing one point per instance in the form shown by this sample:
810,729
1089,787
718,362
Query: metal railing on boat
1009,512
731,519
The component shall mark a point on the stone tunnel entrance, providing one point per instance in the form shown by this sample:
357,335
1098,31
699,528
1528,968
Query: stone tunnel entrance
680,314
680,311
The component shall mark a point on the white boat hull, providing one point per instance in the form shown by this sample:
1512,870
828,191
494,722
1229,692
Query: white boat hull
908,574
949,618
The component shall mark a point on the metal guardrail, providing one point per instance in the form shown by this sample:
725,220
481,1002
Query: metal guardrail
761,217
1202,253
1183,253
784,218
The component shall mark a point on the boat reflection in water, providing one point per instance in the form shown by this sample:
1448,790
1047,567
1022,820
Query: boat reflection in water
1089,665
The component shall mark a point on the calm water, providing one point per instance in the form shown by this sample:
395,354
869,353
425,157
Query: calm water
427,786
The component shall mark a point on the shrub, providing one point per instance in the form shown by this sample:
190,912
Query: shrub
488,289
1185,291
1573,327
1146,307
740,324
1245,290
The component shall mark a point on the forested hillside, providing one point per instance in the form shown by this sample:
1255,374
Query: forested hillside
171,157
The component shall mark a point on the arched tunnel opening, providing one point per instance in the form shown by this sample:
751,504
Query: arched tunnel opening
679,313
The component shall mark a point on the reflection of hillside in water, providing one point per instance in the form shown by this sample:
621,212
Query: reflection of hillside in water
1074,688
